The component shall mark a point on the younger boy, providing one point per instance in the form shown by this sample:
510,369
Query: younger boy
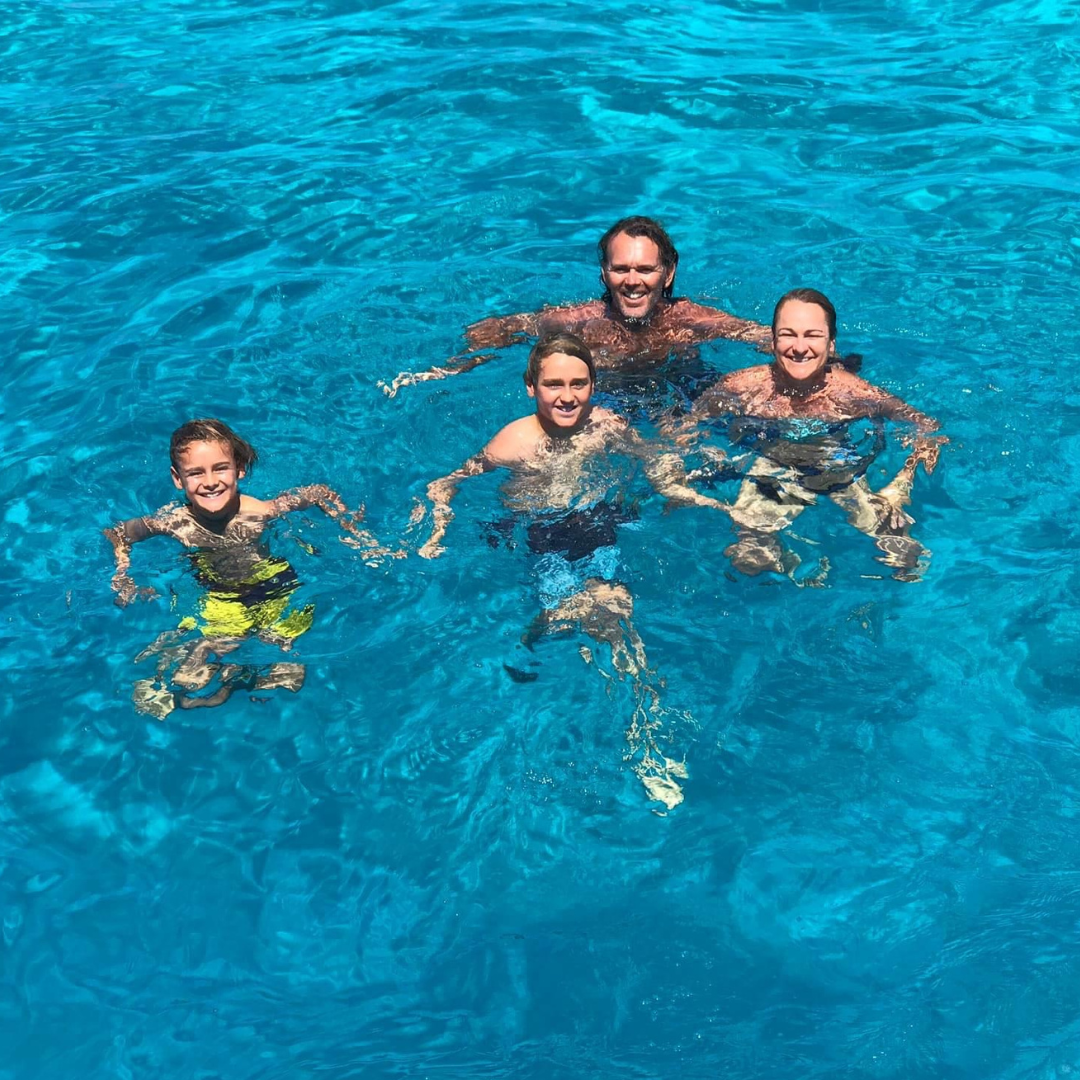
248,590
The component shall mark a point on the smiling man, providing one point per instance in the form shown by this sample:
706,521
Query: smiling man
634,327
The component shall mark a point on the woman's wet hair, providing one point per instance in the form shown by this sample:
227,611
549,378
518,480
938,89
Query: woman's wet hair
209,430
566,343
853,361
651,230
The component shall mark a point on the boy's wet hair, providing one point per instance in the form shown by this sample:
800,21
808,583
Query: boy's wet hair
565,342
853,361
210,430
651,230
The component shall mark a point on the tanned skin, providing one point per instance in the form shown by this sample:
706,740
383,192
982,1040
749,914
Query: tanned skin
802,383
634,329
546,453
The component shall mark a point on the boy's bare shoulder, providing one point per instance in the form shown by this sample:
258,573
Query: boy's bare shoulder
168,520
515,443
257,507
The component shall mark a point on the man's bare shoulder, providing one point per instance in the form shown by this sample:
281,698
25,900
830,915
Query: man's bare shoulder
685,310
570,315
515,443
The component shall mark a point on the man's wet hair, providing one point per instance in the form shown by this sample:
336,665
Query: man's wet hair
210,430
651,230
565,342
853,361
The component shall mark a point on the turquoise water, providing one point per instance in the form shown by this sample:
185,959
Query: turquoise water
416,867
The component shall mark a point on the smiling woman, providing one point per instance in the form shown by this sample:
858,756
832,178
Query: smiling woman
797,415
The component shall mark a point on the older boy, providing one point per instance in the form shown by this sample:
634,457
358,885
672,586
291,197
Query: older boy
547,453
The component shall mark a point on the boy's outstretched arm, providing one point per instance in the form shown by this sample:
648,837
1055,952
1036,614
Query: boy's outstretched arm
331,503
666,471
121,536
440,492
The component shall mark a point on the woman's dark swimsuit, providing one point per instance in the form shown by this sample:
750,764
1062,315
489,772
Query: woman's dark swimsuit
823,456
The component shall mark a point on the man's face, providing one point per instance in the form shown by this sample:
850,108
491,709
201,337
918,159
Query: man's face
562,391
635,276
208,476
801,340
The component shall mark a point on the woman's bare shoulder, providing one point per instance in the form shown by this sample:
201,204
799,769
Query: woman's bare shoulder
745,379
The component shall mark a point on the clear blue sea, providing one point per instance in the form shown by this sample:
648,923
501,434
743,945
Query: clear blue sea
416,867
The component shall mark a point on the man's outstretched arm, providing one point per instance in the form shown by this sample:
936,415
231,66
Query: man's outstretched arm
497,333
708,322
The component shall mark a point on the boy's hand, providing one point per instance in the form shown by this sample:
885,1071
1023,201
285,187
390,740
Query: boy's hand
127,591
373,553
889,506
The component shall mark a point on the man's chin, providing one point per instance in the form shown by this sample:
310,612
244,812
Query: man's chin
637,320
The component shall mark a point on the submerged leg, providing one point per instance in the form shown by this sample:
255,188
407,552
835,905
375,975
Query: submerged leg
769,500
879,516
604,611
196,671
246,677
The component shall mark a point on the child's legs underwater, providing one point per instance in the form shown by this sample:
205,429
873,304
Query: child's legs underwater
225,622
583,593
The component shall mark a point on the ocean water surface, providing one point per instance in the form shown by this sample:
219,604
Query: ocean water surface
417,867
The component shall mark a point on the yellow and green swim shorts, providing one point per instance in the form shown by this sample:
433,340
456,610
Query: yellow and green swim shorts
257,603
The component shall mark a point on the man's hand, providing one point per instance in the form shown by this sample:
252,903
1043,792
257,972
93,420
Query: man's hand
410,378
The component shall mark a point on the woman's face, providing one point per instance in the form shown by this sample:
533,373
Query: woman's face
801,340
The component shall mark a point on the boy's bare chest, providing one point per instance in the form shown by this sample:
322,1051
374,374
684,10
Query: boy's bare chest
240,530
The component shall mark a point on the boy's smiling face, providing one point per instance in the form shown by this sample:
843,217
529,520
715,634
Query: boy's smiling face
562,392
207,474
